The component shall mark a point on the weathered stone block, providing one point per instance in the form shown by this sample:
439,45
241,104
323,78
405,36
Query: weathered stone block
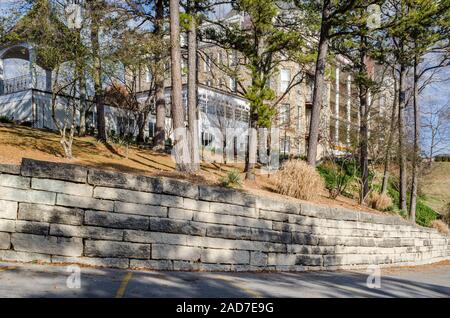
232,209
47,244
215,267
127,196
271,236
339,240
216,218
140,209
65,187
180,188
258,259
31,196
182,214
196,205
9,169
304,239
175,252
232,232
176,226
38,228
158,265
116,220
25,257
277,205
92,232
8,210
223,256
13,181
185,266
52,170
84,202
7,226
155,237
116,249
92,261
273,216
50,214
215,194
317,211
124,180
308,260
171,201
5,241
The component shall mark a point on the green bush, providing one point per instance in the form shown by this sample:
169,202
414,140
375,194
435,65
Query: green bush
424,214
232,179
6,120
338,175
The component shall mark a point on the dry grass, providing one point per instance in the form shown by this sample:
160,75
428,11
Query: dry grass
440,226
380,202
299,180
436,186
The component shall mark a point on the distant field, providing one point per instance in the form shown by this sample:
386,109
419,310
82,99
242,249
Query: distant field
436,185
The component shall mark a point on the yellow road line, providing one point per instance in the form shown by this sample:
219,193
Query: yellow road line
7,268
250,292
123,285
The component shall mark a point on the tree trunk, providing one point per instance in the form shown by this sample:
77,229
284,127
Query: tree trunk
82,92
251,150
416,154
142,121
160,129
319,85
401,138
192,89
177,109
387,154
97,76
364,126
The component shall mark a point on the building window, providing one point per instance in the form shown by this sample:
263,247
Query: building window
232,58
207,64
151,129
207,139
285,79
284,114
285,145
148,76
233,84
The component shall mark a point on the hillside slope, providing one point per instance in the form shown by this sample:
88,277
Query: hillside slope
436,185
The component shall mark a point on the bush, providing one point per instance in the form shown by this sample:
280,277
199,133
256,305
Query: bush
440,226
424,214
6,120
299,180
232,179
338,175
381,202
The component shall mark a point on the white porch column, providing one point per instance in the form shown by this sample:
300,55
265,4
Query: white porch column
33,71
369,102
336,109
2,77
349,107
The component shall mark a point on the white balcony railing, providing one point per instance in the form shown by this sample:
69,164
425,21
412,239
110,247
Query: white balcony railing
21,83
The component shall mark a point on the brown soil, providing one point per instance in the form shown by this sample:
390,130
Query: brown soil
17,142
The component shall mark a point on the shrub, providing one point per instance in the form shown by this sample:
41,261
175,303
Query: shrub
297,179
6,120
232,179
440,226
424,214
338,175
380,201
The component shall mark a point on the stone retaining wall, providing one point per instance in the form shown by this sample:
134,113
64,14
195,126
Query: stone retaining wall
59,213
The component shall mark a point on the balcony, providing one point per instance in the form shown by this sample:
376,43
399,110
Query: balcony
22,83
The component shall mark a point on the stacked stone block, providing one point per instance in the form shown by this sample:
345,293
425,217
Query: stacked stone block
60,213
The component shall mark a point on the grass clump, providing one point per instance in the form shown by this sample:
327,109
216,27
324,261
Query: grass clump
298,180
380,201
232,179
440,226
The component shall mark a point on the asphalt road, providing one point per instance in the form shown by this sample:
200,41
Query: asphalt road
30,280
